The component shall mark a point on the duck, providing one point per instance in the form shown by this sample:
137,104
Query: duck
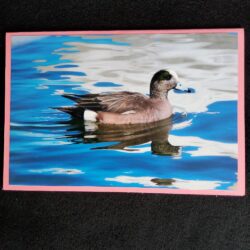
126,107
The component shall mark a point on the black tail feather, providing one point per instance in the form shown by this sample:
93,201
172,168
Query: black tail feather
74,111
83,102
72,97
80,98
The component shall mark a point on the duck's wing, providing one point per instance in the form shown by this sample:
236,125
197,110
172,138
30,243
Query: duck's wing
118,102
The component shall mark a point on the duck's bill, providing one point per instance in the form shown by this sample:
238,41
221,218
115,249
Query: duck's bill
181,88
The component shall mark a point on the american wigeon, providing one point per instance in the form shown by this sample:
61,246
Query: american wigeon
127,107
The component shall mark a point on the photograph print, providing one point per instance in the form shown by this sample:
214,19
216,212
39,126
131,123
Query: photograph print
150,111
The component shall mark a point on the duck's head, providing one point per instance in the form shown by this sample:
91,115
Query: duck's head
163,81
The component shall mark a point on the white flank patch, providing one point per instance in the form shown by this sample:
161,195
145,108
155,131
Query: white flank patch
89,115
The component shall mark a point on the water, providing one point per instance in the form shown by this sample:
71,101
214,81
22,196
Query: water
195,149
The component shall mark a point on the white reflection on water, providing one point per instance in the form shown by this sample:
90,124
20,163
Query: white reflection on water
204,147
205,62
148,181
57,171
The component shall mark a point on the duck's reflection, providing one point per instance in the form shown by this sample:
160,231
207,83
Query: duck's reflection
124,136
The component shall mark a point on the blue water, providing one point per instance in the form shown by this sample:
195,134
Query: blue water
48,148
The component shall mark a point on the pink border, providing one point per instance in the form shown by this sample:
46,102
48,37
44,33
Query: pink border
240,191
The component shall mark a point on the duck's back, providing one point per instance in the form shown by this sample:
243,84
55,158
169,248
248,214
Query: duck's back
118,102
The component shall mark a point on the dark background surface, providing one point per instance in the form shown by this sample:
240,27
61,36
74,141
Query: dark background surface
43,220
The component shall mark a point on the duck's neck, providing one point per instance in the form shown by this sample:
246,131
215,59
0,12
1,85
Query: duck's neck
158,94
156,90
